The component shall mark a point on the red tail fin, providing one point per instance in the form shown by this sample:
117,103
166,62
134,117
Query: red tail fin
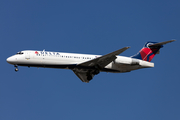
149,50
147,53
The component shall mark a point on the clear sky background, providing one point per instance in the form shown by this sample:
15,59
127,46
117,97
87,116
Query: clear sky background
95,27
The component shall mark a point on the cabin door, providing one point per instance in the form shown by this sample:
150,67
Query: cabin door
27,55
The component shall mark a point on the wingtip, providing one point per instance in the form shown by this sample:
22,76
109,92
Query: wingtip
172,40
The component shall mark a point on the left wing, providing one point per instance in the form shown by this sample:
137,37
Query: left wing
104,60
95,65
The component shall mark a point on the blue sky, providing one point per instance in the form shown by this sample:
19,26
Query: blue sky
95,27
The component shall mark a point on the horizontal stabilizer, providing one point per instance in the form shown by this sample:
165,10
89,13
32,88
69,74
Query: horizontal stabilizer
161,43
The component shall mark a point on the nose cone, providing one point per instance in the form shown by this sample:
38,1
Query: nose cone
11,60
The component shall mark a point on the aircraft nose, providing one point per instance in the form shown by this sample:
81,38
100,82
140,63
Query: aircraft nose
11,60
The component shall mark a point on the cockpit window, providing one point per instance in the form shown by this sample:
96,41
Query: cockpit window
19,53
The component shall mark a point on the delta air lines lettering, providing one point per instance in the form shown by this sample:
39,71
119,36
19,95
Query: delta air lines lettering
46,53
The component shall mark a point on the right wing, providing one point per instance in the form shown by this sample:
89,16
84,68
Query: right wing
82,75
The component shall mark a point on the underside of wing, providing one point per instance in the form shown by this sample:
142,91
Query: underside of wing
83,75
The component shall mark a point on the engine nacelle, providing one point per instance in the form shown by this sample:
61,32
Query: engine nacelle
126,60
135,62
122,60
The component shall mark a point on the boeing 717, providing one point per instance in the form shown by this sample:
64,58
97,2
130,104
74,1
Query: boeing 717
86,66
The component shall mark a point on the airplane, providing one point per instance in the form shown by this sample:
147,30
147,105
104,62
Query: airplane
86,66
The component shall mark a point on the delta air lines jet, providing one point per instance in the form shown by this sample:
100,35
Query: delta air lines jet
85,66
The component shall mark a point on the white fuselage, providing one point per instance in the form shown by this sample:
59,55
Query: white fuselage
71,60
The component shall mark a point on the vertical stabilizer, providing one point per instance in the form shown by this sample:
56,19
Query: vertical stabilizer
149,50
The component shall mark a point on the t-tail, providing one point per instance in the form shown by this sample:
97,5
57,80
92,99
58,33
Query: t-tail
149,50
